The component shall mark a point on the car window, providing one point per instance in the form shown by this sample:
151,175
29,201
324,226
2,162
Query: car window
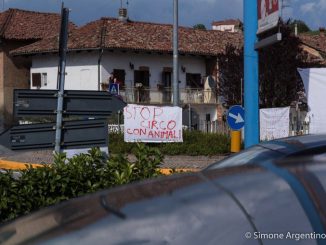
195,214
250,155
270,202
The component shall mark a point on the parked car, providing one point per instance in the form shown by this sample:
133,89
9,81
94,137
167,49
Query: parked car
266,202
275,149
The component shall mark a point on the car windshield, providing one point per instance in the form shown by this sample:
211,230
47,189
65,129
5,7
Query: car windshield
251,155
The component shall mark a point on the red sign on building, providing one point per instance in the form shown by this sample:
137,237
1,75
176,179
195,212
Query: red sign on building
268,14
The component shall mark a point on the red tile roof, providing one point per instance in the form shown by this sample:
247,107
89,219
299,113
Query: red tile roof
29,25
317,42
141,36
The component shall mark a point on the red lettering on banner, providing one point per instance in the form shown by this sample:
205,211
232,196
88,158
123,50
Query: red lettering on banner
143,124
162,127
171,125
157,112
135,111
170,135
142,131
143,115
163,134
157,134
151,123
137,131
128,112
154,125
150,134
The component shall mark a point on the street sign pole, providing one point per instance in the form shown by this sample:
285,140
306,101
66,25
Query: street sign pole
61,73
175,55
235,119
235,141
251,103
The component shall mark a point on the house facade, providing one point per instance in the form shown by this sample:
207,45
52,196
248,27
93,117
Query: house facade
139,55
230,25
19,28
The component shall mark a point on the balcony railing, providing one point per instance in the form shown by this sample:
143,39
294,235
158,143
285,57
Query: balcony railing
165,96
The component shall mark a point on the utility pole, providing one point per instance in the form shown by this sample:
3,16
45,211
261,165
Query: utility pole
61,74
251,88
175,55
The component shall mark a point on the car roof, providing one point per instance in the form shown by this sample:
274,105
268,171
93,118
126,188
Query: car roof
181,209
295,144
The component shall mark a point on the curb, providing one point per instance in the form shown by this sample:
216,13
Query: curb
168,171
4,164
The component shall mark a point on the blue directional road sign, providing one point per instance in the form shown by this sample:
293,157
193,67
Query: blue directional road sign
235,117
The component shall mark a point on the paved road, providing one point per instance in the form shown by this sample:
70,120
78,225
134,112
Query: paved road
46,156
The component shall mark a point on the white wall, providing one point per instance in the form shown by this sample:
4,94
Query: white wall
81,70
229,28
155,62
202,110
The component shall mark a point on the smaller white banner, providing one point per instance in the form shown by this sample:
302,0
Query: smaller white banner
274,123
315,87
154,124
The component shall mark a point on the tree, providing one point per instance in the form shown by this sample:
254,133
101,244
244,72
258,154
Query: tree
230,74
302,26
279,81
199,27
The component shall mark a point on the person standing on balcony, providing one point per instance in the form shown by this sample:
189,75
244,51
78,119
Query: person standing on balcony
110,79
114,87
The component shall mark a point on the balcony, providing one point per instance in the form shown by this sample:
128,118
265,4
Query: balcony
165,96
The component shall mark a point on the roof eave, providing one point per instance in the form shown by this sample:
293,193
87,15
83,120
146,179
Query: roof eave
29,53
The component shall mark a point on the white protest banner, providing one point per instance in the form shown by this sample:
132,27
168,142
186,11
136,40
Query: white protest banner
314,80
274,123
154,124
268,14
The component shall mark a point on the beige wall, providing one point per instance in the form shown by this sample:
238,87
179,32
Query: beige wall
14,73
1,90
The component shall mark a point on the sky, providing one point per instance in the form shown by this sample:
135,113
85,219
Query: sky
191,12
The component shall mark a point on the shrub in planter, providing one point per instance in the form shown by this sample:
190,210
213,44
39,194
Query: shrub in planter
69,178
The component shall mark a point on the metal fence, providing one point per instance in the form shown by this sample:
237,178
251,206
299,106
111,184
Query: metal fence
165,96
219,127
298,125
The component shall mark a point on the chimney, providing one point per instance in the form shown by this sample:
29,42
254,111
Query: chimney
322,31
123,14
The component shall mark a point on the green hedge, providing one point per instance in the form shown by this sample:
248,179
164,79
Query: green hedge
195,143
35,188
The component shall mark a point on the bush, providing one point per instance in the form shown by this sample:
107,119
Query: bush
35,188
195,143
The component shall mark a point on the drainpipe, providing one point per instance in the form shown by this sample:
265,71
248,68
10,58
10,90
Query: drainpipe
99,61
189,115
101,50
